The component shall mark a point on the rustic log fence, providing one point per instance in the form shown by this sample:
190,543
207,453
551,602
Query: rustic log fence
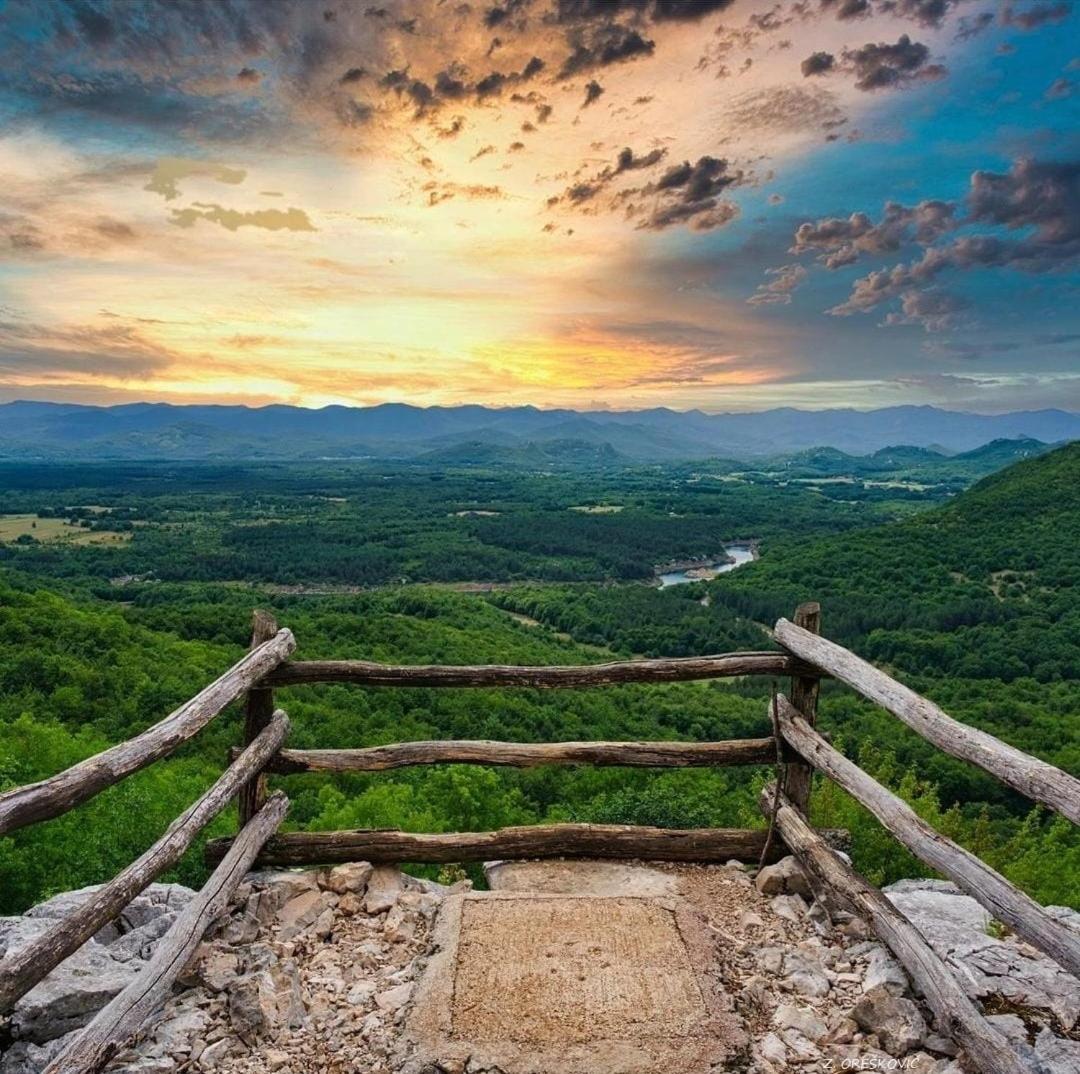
796,749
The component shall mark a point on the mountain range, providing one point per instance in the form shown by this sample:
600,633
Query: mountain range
40,430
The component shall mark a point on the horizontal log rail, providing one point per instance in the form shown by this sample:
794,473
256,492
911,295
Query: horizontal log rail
1036,779
745,751
538,841
675,669
22,970
1002,899
115,1023
57,794
956,1015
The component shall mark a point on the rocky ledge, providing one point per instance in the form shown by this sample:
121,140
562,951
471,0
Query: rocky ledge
314,971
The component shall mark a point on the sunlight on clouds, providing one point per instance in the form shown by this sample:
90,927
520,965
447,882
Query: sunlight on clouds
448,219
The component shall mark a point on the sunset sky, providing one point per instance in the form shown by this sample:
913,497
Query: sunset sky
719,204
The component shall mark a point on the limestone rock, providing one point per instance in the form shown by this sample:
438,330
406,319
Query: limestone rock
772,1048
266,999
72,994
807,1022
896,1021
393,999
214,967
352,876
789,907
25,1057
883,971
304,910
383,887
985,965
937,899
156,900
1060,1055
784,878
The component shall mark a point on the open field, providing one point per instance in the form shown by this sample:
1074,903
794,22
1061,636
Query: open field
12,527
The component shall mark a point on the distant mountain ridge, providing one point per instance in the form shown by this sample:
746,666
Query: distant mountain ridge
398,430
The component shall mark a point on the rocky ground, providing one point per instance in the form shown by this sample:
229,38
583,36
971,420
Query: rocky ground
315,971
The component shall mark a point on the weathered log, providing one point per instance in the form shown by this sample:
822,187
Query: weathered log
676,669
526,755
956,1015
129,1010
22,970
1040,781
539,841
798,776
57,794
258,709
1003,900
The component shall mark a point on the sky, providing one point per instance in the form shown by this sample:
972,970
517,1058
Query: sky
714,204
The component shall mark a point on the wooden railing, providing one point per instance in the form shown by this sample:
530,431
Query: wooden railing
795,748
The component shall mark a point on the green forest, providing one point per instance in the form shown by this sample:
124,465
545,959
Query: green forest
969,598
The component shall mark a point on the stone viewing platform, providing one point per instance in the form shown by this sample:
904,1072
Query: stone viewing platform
758,949
575,966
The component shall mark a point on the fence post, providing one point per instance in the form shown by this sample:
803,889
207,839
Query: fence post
804,697
258,711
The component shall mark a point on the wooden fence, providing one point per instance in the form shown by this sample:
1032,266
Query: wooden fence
795,748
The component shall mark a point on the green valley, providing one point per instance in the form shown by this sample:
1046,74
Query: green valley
969,598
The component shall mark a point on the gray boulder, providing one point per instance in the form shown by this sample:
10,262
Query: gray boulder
25,1057
898,1023
71,995
955,926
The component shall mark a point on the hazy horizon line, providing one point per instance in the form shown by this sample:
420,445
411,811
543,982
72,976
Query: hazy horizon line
545,409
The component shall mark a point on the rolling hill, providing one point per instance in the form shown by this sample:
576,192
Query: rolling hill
157,430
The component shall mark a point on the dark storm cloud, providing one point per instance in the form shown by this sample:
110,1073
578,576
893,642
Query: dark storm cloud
884,66
1043,196
973,25
1039,198
603,45
593,90
1038,15
847,9
928,13
817,63
936,310
657,10
690,194
840,240
626,161
504,12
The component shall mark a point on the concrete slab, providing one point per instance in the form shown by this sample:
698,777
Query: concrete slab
573,877
582,984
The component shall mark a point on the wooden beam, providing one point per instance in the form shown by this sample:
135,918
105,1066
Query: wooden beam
128,1011
676,669
258,709
956,1015
1003,900
804,696
1040,781
745,751
539,841
21,971
67,789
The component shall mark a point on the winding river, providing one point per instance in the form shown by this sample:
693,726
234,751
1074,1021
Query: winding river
740,554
